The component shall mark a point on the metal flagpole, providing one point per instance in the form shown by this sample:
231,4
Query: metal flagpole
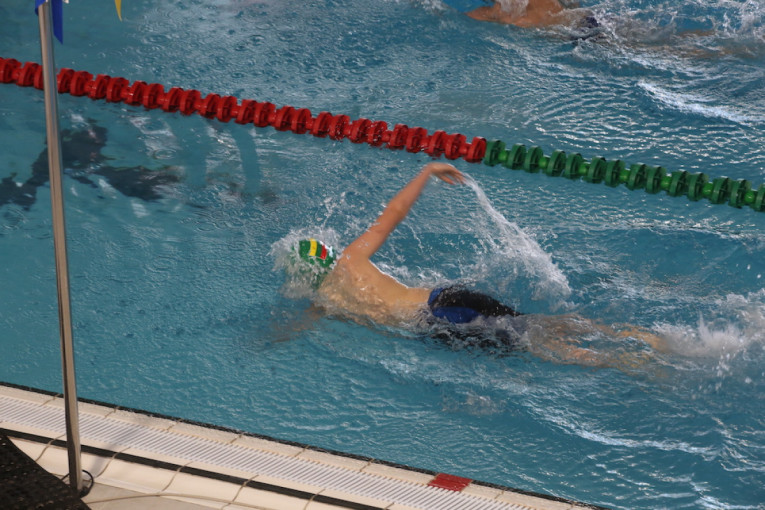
59,244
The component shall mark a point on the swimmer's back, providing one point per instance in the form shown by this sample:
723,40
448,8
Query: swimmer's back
361,290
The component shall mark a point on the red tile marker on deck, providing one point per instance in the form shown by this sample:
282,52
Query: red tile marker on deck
450,482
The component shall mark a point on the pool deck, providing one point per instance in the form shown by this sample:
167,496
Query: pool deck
138,459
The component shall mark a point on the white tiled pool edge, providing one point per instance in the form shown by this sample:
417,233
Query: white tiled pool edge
229,469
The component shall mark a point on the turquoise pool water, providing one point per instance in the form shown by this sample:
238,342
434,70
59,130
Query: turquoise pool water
178,309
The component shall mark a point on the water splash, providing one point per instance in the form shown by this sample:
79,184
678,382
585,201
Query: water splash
742,324
514,7
509,246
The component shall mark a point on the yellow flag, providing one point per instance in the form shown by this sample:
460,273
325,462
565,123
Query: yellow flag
118,3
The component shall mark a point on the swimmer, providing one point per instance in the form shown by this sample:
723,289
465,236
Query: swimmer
351,285
534,14
580,24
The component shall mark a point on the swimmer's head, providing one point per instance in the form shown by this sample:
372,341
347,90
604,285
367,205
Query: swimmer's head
315,259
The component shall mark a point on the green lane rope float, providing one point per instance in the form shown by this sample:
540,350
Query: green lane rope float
652,179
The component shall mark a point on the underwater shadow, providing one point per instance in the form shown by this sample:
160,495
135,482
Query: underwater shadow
84,161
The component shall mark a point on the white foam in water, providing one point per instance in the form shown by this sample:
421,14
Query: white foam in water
518,248
514,7
723,337
745,21
696,104
139,209
703,340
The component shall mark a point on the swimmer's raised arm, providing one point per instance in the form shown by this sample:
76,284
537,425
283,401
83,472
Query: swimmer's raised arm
399,206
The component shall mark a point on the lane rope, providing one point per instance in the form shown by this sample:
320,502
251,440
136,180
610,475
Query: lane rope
639,176
651,179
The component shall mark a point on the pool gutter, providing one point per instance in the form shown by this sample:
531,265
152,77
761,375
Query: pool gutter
166,459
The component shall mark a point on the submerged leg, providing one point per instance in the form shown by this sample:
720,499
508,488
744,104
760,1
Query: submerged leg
656,342
560,338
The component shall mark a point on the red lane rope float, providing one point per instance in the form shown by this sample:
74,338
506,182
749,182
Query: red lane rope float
261,114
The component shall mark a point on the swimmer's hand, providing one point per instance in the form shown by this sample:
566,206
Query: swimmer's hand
445,172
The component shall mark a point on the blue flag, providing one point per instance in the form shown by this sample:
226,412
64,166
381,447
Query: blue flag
58,17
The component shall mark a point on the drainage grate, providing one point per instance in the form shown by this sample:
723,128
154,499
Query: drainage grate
123,435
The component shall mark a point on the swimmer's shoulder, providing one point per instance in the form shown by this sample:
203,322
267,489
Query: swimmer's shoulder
482,14
492,13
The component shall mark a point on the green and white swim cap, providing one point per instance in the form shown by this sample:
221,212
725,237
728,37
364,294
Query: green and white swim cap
320,258
316,252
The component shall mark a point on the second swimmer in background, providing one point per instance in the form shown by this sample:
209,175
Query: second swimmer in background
533,13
